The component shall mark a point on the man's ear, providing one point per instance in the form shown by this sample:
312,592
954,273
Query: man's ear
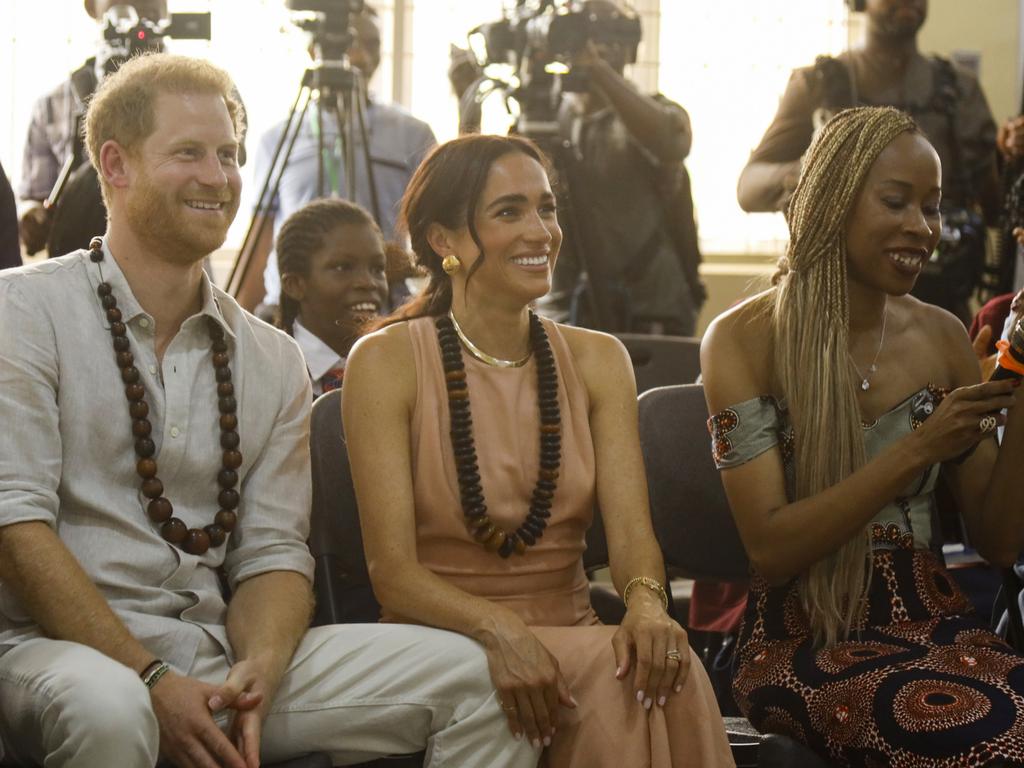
294,286
441,240
115,164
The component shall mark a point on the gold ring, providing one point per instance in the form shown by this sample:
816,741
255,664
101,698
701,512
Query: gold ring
987,423
510,708
674,655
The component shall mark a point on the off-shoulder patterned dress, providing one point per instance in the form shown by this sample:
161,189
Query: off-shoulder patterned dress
922,681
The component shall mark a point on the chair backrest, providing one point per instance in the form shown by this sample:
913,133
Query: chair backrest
342,582
691,514
659,361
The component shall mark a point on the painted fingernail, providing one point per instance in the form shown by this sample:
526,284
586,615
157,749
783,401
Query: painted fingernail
647,703
536,743
547,741
216,702
574,702
618,672
679,689
640,697
661,701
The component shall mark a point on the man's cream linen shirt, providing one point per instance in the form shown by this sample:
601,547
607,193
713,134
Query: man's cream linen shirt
67,453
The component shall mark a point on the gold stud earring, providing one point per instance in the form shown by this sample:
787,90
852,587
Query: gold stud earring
451,264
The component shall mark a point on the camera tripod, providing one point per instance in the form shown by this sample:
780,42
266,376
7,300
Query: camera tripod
334,89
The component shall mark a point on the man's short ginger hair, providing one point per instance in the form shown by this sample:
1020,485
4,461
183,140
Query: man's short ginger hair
122,109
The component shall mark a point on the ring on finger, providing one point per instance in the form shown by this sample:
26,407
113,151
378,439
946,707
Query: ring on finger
987,423
510,707
674,655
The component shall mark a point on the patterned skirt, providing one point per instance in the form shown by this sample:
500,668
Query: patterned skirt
923,682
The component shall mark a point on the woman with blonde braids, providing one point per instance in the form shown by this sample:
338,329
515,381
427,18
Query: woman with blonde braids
838,401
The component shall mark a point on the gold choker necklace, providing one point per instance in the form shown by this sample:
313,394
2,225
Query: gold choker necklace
482,356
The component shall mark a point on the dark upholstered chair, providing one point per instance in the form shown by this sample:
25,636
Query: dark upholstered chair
659,361
695,529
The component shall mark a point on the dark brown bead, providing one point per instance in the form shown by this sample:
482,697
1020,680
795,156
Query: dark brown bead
477,510
215,329
496,540
138,409
227,404
222,374
135,392
141,427
219,346
174,531
159,510
232,459
546,485
217,534
228,421
476,523
458,394
549,474
229,440
455,376
227,478
114,315
144,447
483,533
197,542
507,546
539,493
467,478
550,463
146,468
104,289
225,389
526,536
121,344
520,545
118,329
108,302
551,429
152,488
226,519
228,498
130,375
220,359
125,359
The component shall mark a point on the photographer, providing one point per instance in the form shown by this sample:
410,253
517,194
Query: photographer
53,130
944,99
397,143
629,193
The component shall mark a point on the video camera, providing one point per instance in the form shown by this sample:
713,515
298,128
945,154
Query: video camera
126,35
329,22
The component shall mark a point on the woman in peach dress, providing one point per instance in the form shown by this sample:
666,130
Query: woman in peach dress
500,432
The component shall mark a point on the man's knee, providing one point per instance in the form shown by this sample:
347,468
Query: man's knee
84,709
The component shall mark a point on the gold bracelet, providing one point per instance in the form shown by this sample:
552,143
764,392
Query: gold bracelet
652,584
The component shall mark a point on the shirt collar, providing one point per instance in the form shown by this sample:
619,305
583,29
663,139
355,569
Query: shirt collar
110,271
320,358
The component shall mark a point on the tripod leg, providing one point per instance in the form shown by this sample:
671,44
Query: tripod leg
364,138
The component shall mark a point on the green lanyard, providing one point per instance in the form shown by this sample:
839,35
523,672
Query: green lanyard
330,159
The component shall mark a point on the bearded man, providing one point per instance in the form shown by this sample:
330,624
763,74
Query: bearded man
156,435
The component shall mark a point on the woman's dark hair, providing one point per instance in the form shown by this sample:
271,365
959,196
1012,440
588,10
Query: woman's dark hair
445,190
302,235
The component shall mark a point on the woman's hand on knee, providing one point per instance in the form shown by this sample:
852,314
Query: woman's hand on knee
530,686
659,647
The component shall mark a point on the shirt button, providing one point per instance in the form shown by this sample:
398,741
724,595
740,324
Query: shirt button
175,431
152,369
144,322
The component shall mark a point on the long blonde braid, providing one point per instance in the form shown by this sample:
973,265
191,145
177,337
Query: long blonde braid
810,321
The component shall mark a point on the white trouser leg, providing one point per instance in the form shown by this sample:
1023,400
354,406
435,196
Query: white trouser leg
360,691
64,704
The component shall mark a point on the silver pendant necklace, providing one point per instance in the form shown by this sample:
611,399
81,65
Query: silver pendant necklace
865,380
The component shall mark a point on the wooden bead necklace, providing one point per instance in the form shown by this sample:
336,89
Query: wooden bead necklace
494,538
195,541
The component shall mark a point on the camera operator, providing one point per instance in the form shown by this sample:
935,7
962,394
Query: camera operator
945,100
52,131
639,235
398,142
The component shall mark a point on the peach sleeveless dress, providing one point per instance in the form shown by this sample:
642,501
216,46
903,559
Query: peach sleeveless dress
547,586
